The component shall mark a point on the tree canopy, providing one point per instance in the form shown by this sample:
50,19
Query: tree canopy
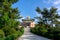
48,15
8,15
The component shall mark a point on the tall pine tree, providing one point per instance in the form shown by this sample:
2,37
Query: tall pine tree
8,15
48,15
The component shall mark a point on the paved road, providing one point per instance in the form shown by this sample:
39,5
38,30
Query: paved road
29,36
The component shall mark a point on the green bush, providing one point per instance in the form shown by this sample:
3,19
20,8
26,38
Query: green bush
22,30
13,31
10,37
49,32
1,34
43,31
15,34
8,31
19,33
2,39
32,30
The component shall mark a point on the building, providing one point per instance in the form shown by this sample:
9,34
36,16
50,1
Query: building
28,22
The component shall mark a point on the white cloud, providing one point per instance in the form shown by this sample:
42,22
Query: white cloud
47,1
37,14
56,2
58,7
48,8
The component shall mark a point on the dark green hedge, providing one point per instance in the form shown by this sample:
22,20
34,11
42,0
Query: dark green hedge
16,34
51,32
10,34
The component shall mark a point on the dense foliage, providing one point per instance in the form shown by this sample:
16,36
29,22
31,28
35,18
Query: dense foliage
45,26
16,34
51,33
8,20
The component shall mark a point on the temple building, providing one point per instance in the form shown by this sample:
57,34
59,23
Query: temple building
28,22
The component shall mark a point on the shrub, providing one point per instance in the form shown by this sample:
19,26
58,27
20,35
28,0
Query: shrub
1,34
8,31
15,34
10,37
22,30
49,32
19,33
43,31
2,39
13,30
32,30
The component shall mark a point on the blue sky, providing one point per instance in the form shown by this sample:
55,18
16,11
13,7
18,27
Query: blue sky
27,7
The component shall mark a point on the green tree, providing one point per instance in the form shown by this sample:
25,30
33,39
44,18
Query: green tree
9,20
48,15
8,15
